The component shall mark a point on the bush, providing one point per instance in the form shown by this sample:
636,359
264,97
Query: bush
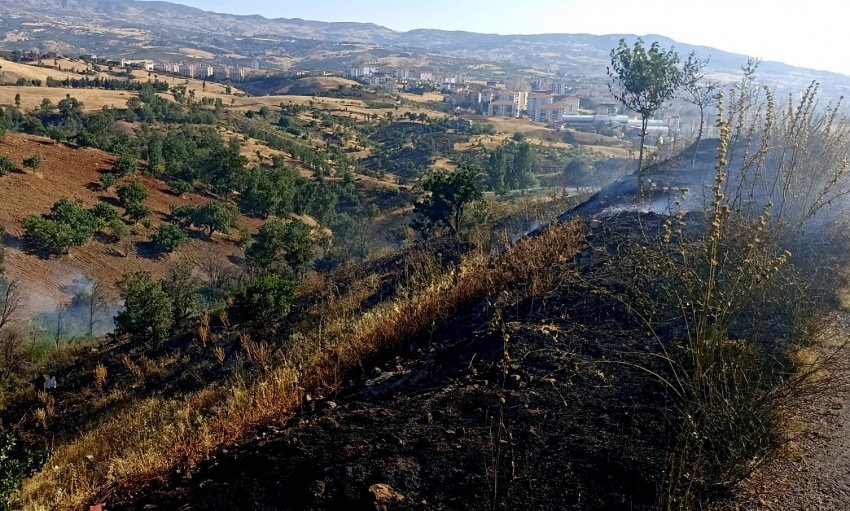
136,212
107,180
47,236
33,162
133,192
147,314
7,165
180,187
104,213
127,163
264,301
119,229
17,461
279,246
170,237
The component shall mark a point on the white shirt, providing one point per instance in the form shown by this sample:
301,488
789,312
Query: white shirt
51,382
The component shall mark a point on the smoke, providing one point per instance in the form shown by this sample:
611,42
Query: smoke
89,310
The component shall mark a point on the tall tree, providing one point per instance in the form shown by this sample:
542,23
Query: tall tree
643,81
698,91
449,194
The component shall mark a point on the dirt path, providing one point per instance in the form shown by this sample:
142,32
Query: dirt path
812,472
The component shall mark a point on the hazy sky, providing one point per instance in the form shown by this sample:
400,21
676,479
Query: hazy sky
809,33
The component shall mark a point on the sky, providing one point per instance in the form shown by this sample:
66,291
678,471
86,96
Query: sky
810,33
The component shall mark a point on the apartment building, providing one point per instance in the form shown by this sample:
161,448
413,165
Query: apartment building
538,99
203,72
187,70
503,108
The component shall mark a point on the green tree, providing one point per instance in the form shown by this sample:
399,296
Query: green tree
148,311
126,163
104,213
18,100
448,195
215,217
47,236
136,212
74,215
170,237
279,246
264,302
643,81
107,180
7,166
497,165
133,192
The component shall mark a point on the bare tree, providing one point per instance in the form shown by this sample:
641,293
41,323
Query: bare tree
10,301
96,299
59,326
698,91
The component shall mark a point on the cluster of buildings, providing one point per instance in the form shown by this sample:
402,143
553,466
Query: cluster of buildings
201,72
395,79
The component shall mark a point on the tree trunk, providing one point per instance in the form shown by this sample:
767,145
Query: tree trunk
699,134
641,170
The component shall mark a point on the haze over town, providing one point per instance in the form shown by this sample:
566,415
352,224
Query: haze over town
801,34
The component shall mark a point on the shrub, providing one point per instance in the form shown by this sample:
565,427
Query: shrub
104,213
180,187
136,212
119,229
7,165
264,301
107,180
147,314
47,236
133,192
33,162
278,246
17,461
170,237
126,163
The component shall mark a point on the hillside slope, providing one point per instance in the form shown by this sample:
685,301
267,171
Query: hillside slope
74,172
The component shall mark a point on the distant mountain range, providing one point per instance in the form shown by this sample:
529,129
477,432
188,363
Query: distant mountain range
169,22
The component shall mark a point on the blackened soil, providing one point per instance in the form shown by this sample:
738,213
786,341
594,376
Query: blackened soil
581,426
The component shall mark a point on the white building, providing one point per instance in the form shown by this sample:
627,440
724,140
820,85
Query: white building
553,112
236,74
220,73
504,109
186,70
515,96
573,103
203,72
538,99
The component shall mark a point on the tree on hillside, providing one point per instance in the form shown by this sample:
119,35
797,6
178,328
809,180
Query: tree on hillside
448,196
643,81
68,225
216,217
263,302
182,287
497,165
698,91
169,237
148,310
133,192
280,246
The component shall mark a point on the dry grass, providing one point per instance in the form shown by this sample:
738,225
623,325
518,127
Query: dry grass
146,442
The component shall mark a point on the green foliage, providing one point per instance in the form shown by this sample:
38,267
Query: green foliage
518,137
136,212
180,187
127,163
17,461
108,180
449,196
133,192
104,213
643,81
170,237
279,247
68,225
7,165
119,229
33,162
216,216
47,236
578,171
264,301
148,310
268,192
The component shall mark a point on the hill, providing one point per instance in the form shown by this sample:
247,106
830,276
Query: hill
124,27
300,87
72,172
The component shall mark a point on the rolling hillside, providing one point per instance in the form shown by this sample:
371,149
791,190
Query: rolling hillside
73,172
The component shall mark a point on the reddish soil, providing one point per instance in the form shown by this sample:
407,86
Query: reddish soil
74,172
